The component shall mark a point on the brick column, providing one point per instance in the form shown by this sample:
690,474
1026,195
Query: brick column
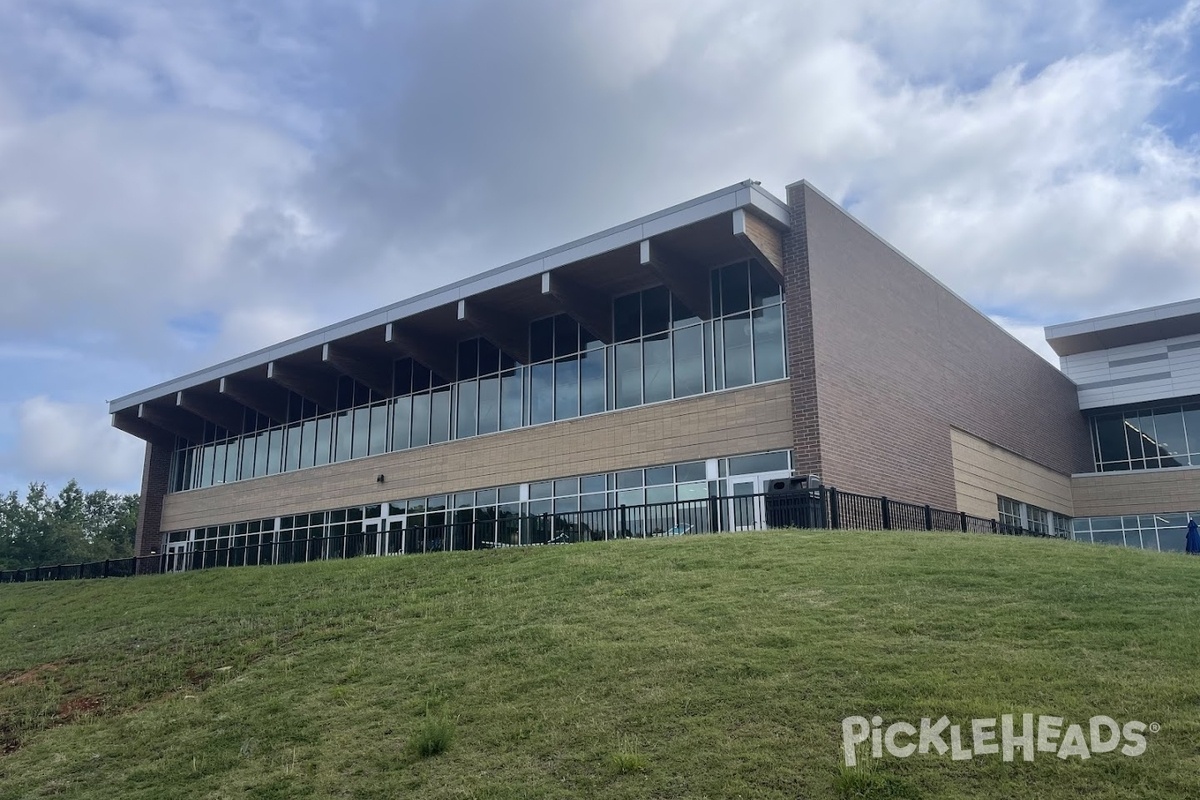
806,434
156,475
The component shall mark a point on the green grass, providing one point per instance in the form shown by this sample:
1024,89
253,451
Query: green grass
714,666
433,737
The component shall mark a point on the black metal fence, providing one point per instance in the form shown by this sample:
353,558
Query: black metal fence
809,508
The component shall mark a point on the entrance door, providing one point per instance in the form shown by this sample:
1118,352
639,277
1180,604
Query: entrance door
746,509
177,556
384,536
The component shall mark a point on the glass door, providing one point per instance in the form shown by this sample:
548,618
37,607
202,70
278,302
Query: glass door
177,556
746,509
384,536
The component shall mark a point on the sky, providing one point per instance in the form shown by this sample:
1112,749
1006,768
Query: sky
183,181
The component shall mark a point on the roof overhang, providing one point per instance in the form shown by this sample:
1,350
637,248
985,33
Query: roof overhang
723,224
1144,325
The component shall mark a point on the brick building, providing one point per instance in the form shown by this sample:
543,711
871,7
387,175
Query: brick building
698,352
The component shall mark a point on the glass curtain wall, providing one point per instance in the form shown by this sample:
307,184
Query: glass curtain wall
1147,438
1162,532
662,351
596,507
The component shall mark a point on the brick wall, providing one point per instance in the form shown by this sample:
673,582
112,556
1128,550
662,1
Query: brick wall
156,476
806,432
899,360
1152,491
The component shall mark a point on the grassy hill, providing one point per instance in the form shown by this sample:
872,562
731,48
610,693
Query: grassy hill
717,666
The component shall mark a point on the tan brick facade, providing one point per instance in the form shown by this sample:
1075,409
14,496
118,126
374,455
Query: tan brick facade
982,471
748,420
1141,492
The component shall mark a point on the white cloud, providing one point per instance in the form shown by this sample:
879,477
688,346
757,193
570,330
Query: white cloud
271,171
59,441
245,330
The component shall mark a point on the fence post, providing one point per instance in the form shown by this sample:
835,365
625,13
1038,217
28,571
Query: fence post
887,513
622,523
995,527
835,513
962,520
928,518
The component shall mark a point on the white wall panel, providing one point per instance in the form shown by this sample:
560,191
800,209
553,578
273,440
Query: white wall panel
1137,373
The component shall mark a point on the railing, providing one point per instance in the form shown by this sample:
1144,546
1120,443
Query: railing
812,509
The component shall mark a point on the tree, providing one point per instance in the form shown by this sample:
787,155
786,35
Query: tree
69,528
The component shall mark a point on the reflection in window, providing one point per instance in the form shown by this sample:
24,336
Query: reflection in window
1153,437
656,367
566,388
541,393
663,350
628,375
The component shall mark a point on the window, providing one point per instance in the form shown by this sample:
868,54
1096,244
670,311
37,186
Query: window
662,350
1150,437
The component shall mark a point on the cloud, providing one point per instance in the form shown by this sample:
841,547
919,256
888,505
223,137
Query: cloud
186,184
59,441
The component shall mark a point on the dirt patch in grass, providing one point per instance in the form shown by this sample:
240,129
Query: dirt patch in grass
34,675
76,707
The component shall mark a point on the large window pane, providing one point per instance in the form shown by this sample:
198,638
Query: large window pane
489,358
566,336
1149,439
1110,439
628,374
468,399
468,359
656,310
735,289
566,389
656,367
402,370
232,461
379,429
247,457
591,382
738,366
261,453
343,435
1133,440
420,420
768,343
688,355
681,315
541,393
291,456
362,431
439,416
1170,441
541,340
206,465
1191,426
308,443
764,291
401,422
489,405
274,450
762,462
219,464
510,399
627,317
